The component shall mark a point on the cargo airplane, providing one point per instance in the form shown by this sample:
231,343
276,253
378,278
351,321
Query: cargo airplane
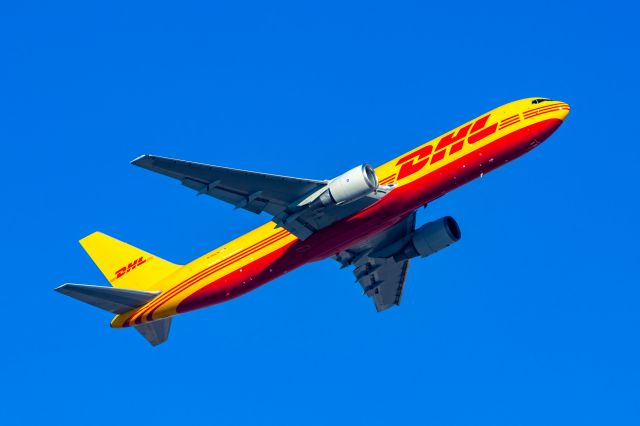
364,218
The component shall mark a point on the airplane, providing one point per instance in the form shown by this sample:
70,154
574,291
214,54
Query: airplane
364,219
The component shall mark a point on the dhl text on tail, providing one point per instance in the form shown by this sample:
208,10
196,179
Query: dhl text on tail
364,218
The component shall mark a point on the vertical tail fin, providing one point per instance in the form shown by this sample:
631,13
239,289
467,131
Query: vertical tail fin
124,265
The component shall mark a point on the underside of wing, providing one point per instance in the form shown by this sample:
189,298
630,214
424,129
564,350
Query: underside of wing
252,191
381,276
383,281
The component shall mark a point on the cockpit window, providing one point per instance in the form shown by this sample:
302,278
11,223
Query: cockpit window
537,101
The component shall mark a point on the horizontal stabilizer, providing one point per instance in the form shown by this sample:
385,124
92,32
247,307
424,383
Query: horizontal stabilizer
112,299
155,332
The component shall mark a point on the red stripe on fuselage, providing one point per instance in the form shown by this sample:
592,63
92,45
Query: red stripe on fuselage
203,274
221,265
511,123
238,282
545,109
510,120
387,180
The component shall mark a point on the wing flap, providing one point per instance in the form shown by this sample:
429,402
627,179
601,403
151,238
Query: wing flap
386,281
385,286
381,277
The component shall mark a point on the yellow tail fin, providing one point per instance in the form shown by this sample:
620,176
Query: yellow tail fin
124,265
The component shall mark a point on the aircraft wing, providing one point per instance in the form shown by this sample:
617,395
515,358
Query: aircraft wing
382,278
252,191
281,196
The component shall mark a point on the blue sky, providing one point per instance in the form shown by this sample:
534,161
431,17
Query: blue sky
530,319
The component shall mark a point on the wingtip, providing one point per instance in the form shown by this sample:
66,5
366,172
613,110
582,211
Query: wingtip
62,289
140,160
84,240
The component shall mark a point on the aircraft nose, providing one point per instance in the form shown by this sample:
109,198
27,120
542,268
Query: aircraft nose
563,110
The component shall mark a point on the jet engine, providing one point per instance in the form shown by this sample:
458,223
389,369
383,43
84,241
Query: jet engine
348,187
431,238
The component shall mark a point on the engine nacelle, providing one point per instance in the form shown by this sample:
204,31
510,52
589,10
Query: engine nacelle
431,238
348,187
